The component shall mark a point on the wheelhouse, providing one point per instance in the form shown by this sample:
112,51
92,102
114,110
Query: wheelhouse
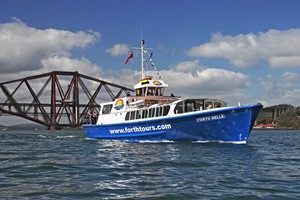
149,87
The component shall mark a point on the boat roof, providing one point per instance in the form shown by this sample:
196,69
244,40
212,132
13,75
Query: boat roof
201,99
147,82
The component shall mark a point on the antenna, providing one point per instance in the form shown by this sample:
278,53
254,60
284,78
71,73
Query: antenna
144,54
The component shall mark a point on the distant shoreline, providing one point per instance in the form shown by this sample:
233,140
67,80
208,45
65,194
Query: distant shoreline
274,129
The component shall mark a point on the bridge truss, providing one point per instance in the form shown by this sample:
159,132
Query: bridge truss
57,99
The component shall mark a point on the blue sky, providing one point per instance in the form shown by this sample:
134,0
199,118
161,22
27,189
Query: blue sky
239,51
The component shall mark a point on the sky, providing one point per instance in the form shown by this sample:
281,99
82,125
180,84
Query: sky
238,51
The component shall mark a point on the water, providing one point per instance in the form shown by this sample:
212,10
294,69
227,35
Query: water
66,165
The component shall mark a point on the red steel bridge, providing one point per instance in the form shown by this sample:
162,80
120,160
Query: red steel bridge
57,99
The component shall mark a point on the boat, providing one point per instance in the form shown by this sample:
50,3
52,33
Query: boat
150,115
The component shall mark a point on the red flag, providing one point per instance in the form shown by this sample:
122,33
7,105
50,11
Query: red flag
129,57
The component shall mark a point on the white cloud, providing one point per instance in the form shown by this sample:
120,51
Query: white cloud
82,65
284,61
199,81
26,47
118,50
210,82
29,51
283,89
291,77
278,48
186,66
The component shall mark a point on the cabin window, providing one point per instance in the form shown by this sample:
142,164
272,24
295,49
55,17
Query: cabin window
138,92
145,113
198,105
194,105
158,111
189,107
217,104
132,115
107,109
160,91
179,108
166,110
138,114
152,112
151,91
148,113
127,116
208,105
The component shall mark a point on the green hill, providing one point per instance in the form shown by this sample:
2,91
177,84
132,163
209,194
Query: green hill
285,115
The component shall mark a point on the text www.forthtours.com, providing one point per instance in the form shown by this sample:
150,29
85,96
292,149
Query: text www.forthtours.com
140,129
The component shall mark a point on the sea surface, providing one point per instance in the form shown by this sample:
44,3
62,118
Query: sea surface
39,164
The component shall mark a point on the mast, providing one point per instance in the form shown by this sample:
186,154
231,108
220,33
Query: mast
143,51
143,58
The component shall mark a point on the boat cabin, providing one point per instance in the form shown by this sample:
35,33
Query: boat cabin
149,87
190,105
